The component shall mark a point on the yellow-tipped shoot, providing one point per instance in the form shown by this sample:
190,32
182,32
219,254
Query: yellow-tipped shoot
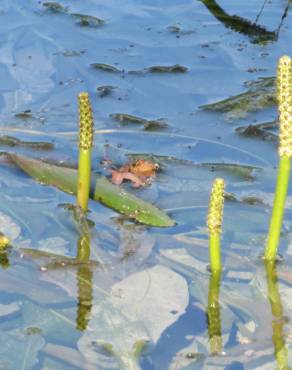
214,222
284,95
85,145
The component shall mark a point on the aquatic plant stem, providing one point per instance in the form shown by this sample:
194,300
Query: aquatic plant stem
84,170
278,208
215,251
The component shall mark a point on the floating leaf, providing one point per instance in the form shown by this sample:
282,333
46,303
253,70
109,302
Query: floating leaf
24,281
261,94
103,190
55,7
176,68
13,141
87,20
105,67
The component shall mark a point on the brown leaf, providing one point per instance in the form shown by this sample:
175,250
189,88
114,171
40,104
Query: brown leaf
137,172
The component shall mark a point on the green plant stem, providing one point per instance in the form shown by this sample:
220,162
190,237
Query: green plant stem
215,254
213,312
278,208
84,169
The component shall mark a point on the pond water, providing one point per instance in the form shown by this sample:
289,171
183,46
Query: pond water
144,298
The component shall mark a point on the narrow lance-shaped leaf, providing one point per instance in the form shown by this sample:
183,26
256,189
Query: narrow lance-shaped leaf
102,190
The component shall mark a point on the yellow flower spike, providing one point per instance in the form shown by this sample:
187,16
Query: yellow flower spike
214,222
4,242
85,145
284,95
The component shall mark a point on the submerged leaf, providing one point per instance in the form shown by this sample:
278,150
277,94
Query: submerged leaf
27,114
102,190
261,94
52,261
105,67
128,118
149,125
259,130
240,170
105,90
140,308
13,141
18,350
176,68
55,7
87,20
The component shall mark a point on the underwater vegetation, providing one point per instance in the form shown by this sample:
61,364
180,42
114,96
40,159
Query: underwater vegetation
110,257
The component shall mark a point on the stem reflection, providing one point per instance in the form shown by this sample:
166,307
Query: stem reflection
280,349
213,312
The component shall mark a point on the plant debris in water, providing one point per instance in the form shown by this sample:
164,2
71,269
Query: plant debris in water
55,7
149,125
258,34
138,172
87,20
105,90
243,171
261,94
13,141
27,114
83,20
176,68
105,67
52,261
259,130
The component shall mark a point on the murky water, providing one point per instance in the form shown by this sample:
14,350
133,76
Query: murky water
144,298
